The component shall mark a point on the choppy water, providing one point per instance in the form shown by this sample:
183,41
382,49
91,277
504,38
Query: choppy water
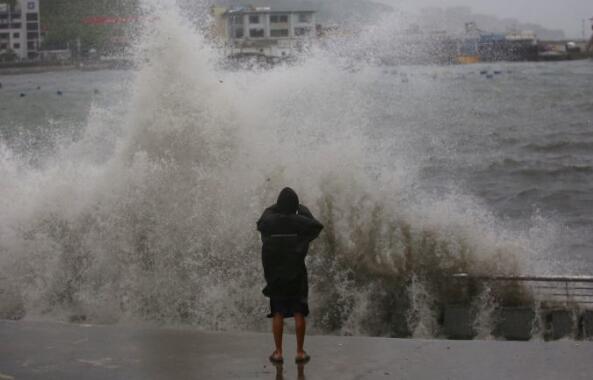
139,200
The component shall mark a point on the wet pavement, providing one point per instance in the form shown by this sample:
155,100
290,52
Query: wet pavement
47,350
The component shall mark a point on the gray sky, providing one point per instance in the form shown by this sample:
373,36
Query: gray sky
552,14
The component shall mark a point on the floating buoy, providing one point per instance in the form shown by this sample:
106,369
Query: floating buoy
0,84
59,92
22,95
96,91
497,72
483,72
39,87
489,76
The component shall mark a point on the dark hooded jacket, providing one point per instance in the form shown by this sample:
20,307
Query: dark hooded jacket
286,229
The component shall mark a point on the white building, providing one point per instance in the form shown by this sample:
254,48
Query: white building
20,29
263,31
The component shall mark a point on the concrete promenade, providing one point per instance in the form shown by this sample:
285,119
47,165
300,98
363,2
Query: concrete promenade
45,350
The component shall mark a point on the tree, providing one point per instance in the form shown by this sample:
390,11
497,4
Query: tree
62,19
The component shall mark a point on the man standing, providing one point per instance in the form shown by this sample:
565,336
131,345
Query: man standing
286,229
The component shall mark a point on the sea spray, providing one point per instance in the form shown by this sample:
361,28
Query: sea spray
538,326
484,309
152,216
422,319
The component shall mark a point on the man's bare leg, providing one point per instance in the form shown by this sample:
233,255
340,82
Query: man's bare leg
277,329
300,327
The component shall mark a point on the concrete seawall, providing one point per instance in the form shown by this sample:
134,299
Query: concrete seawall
35,69
70,66
45,350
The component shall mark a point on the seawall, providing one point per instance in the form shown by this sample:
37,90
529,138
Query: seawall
35,68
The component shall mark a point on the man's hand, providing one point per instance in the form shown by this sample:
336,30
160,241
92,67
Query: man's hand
304,211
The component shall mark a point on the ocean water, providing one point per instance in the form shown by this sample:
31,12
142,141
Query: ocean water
134,194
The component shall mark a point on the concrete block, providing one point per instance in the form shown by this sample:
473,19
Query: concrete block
514,323
458,322
587,324
560,323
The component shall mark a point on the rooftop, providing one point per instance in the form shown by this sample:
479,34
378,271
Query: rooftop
252,10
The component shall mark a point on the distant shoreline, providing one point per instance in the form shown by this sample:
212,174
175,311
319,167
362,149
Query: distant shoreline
27,68
37,68
34,69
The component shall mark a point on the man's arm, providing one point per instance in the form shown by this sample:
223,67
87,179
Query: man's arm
304,211
311,226
265,222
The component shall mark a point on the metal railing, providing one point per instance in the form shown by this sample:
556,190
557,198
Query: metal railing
558,289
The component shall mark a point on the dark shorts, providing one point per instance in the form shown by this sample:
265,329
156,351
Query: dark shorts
288,307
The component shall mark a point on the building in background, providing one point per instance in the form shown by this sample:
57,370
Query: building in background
476,45
262,31
20,29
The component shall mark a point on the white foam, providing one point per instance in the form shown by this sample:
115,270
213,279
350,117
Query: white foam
152,214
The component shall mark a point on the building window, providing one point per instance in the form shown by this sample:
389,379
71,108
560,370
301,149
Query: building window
237,20
16,46
301,31
279,32
32,17
239,33
277,19
32,36
256,33
304,17
3,46
31,5
16,35
31,45
33,26
16,26
4,36
254,19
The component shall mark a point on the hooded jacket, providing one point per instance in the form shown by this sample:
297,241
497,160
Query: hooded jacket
286,230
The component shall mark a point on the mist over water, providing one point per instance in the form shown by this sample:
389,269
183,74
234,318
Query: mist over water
145,208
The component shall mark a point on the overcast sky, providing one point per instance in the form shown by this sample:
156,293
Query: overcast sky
552,14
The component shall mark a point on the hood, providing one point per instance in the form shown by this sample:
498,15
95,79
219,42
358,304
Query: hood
288,201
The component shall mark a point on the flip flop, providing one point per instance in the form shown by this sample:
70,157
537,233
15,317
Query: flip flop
302,359
276,360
